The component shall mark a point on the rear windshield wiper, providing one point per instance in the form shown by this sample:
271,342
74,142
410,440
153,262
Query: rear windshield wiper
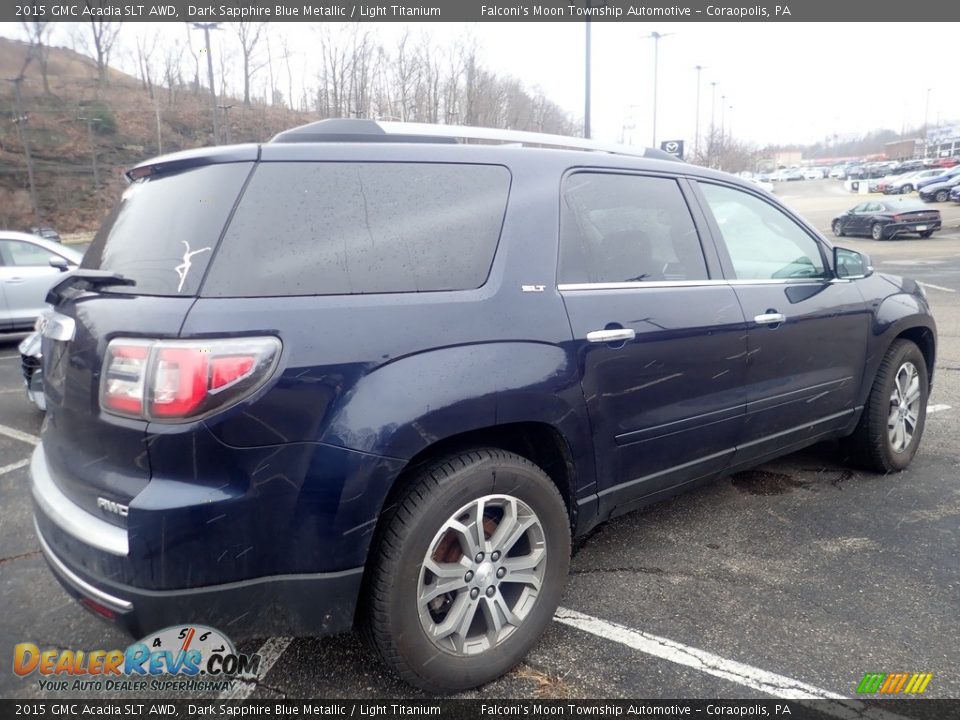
87,279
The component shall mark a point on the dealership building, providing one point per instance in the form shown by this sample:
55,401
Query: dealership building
942,142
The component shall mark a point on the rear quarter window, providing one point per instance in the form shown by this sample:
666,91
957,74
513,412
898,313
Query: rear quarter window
163,231
324,228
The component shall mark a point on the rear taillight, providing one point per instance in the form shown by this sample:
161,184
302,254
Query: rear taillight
176,380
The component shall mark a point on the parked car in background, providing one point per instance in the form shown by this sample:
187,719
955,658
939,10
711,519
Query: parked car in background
838,172
31,365
47,233
815,173
887,220
26,274
787,175
421,391
761,183
947,162
908,166
944,175
955,194
939,191
908,183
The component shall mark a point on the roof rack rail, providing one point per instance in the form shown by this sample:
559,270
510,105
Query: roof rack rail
363,130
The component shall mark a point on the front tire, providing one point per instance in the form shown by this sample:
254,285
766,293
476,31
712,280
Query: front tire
838,228
906,189
469,571
942,196
890,429
876,231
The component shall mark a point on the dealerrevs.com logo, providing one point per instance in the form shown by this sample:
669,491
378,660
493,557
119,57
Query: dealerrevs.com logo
187,657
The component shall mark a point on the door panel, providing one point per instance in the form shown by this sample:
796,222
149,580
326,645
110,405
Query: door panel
26,276
661,346
807,331
667,399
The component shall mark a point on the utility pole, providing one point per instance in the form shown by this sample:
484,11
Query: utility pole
586,83
207,27
19,121
226,118
656,58
926,129
696,132
723,116
93,149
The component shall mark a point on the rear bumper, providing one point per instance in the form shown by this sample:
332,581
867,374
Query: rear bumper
321,604
90,557
894,229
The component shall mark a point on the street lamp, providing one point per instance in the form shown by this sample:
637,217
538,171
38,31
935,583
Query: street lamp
656,59
696,132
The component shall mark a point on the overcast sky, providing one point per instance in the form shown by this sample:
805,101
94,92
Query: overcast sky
783,82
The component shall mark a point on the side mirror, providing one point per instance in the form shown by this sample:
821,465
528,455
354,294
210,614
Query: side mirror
60,263
851,265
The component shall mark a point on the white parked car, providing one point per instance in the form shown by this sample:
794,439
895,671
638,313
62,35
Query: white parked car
27,272
908,182
764,184
814,173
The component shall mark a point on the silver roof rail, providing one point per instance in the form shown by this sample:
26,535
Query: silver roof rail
365,130
521,137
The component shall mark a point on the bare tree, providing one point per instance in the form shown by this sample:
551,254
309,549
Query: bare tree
249,34
146,47
103,34
39,33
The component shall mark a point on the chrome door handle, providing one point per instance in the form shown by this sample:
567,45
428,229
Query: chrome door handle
611,336
770,319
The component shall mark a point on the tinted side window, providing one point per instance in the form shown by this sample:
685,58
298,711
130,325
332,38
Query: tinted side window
165,228
323,228
626,228
763,242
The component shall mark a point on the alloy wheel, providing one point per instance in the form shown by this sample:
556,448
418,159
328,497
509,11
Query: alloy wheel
904,407
481,575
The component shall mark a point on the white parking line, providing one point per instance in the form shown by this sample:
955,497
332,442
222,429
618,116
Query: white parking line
937,408
14,466
18,435
269,653
730,670
9,357
936,287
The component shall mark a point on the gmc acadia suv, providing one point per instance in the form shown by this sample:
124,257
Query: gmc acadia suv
384,377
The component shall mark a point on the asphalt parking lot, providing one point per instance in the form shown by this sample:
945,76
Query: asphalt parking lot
796,578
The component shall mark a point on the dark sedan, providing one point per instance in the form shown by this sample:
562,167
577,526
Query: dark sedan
887,219
955,194
939,191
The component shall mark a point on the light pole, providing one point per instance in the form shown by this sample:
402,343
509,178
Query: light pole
713,123
586,82
656,59
207,27
723,117
696,132
926,130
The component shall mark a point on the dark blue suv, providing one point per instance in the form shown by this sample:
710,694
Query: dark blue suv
359,376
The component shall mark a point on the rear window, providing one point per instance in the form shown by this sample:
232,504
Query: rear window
164,229
324,228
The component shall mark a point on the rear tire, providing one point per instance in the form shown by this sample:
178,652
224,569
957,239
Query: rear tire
891,427
430,542
877,232
906,189
926,234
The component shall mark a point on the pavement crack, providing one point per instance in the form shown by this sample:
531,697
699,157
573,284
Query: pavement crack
21,556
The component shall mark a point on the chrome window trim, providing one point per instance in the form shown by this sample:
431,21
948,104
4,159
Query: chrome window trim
69,517
573,287
114,603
